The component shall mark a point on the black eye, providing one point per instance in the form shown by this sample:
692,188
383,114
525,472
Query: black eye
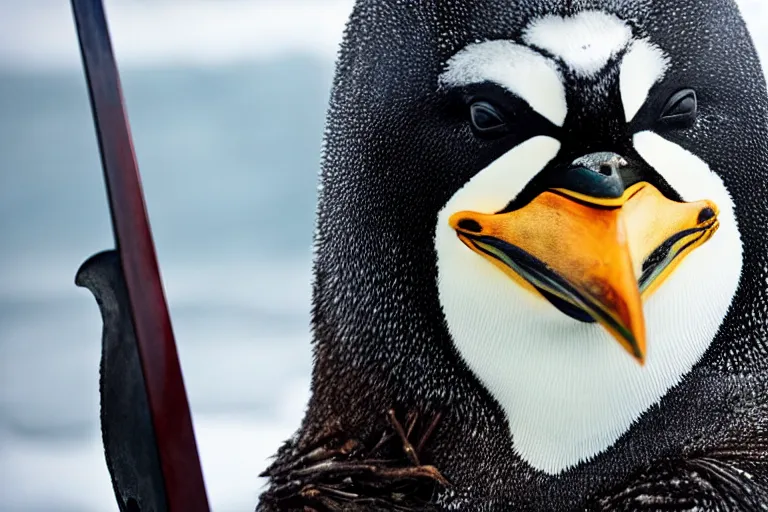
680,110
486,120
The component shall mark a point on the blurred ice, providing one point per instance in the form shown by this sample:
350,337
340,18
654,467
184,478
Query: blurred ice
222,158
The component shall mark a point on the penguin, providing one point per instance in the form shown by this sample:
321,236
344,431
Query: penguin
540,266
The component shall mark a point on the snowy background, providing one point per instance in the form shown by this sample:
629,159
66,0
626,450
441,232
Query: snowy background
226,100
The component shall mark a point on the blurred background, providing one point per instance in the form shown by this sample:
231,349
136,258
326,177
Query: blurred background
226,100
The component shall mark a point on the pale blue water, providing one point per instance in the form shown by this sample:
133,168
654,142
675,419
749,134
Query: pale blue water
229,157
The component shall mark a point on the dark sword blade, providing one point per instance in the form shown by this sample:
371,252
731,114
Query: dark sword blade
166,395
127,433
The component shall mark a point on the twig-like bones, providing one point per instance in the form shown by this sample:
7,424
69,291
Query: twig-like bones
342,475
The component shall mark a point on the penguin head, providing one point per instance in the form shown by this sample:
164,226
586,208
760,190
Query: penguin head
559,194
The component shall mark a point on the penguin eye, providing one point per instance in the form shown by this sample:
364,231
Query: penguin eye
680,110
486,119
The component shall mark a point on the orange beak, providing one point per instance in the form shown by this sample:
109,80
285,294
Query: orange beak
596,259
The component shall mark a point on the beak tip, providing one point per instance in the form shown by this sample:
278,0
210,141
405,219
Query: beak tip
638,353
634,346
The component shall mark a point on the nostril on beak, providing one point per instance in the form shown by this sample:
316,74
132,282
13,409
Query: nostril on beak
606,169
469,225
602,163
596,175
706,214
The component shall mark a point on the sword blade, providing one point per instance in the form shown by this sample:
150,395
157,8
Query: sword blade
166,394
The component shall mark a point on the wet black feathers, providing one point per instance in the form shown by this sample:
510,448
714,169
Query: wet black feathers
394,154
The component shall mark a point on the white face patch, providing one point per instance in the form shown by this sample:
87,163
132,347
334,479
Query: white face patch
568,389
642,66
520,70
494,187
585,42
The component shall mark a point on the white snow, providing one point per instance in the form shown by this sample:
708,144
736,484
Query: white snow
48,476
40,33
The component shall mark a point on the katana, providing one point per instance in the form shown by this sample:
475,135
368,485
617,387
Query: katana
149,440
